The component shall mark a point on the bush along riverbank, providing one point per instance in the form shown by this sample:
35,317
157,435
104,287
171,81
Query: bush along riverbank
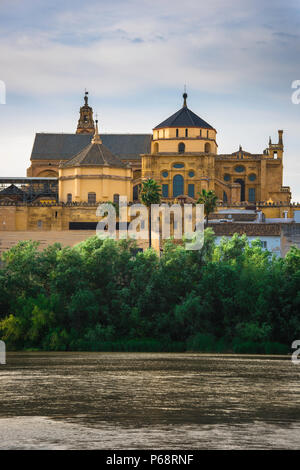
102,296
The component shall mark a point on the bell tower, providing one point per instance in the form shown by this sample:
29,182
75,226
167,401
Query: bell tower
86,122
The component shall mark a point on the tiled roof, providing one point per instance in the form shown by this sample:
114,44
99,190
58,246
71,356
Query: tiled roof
94,154
184,117
65,146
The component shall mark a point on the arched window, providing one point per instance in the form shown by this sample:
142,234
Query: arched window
69,198
156,147
207,147
186,132
92,198
178,185
225,199
116,198
181,147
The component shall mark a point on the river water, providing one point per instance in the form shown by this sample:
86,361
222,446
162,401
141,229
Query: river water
148,401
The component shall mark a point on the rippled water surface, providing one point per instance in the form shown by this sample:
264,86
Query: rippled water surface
148,401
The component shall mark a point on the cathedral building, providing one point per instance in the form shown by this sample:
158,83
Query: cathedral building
181,155
70,174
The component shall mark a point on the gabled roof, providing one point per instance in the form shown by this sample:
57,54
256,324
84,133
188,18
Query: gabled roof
184,117
65,146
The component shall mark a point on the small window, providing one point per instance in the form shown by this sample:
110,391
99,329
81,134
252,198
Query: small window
178,165
225,199
191,190
239,169
191,173
226,177
165,190
207,134
116,198
156,147
252,177
207,147
200,132
177,132
251,193
69,198
181,147
136,192
186,132
92,198
39,223
165,174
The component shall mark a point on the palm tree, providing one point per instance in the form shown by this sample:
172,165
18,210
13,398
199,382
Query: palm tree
209,199
150,194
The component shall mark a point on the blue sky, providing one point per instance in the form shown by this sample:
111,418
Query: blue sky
238,59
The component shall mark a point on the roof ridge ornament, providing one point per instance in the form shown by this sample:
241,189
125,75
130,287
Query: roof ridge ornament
185,95
96,139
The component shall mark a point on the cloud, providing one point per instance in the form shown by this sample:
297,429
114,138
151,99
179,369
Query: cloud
131,45
135,55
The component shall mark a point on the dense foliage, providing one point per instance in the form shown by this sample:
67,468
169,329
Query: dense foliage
101,295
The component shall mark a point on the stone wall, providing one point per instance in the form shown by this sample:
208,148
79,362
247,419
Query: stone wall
8,239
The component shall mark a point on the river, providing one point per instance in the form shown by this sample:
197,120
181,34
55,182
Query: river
182,401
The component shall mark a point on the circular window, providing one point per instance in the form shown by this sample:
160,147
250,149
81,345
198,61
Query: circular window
252,177
191,174
239,169
178,165
165,174
227,177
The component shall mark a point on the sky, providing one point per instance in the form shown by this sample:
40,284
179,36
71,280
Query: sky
237,58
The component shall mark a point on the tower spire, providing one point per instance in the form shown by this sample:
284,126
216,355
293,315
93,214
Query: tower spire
86,121
184,97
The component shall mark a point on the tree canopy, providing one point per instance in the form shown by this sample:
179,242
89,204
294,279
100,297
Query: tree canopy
103,295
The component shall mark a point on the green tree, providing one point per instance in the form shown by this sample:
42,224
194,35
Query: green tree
209,199
150,194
